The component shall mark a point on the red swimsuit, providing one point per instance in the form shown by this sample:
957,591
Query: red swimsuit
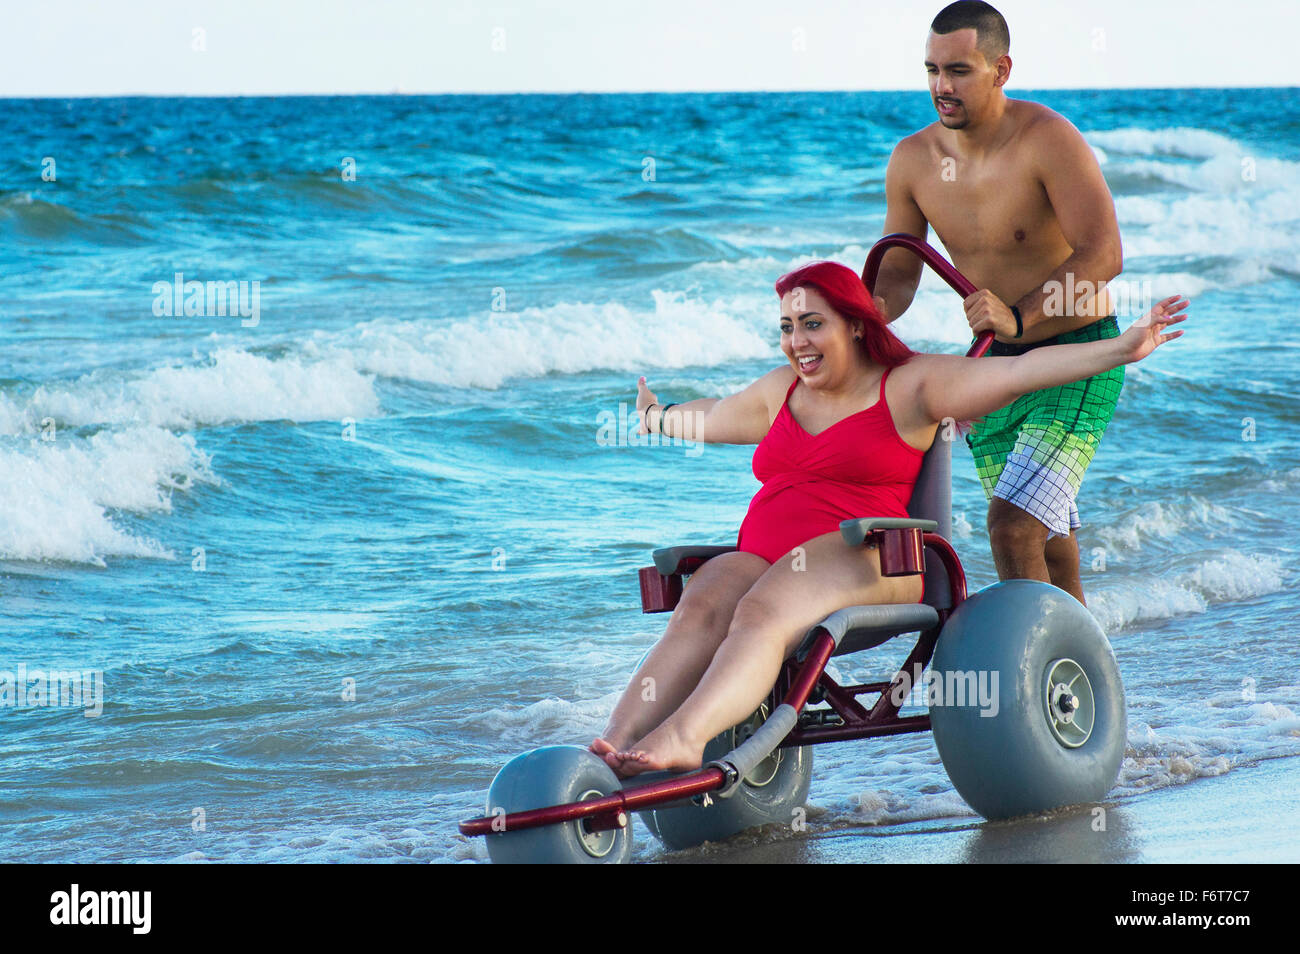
857,467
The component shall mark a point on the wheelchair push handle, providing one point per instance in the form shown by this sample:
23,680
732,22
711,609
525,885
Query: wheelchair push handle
945,270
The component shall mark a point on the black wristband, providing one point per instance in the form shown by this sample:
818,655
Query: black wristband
666,409
1020,328
646,421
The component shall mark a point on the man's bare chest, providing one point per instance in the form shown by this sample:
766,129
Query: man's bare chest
986,206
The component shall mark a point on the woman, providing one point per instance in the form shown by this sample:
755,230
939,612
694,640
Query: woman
841,431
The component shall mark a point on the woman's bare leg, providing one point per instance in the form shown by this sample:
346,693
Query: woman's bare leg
768,624
675,664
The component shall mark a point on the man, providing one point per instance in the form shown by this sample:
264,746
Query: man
1018,200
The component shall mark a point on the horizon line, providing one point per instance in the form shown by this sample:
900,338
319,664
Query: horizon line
608,92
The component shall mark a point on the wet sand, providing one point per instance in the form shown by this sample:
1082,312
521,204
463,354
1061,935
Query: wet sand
1249,815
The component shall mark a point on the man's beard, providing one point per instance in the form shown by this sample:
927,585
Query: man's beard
953,122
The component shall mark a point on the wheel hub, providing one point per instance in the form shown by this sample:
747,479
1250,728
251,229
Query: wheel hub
595,843
1071,708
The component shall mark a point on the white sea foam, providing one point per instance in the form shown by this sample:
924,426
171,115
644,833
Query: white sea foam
1207,739
55,497
231,385
677,331
1234,174
1215,226
1223,201
1139,773
883,807
1158,520
550,721
1188,142
1228,577
1236,576
15,417
1231,274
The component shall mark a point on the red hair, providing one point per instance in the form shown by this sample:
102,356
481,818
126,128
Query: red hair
844,291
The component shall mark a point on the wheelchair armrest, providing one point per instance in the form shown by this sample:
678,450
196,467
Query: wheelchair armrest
868,626
855,531
670,561
661,584
899,540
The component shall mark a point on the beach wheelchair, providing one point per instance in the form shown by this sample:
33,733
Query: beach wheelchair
1052,734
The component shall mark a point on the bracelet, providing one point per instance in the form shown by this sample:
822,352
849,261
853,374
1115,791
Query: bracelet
665,410
1020,328
645,417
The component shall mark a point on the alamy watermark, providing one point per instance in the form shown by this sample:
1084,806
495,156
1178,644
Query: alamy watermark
77,906
193,299
1082,299
58,688
623,430
956,687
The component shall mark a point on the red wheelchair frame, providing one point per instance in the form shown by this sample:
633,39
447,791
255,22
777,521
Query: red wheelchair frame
902,550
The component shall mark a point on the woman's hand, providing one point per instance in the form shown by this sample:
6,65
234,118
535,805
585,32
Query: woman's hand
1148,332
644,398
968,388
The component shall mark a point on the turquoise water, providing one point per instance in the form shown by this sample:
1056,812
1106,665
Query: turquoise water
338,560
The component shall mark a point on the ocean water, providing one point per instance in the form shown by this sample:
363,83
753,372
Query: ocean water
340,555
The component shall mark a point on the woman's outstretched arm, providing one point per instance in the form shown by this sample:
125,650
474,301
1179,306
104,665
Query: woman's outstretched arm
968,388
740,418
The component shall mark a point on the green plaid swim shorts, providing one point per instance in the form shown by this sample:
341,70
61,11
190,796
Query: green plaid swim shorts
1033,453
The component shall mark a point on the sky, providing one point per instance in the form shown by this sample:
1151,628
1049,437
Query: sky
261,47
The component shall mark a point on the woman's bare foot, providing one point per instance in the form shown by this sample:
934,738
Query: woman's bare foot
663,750
599,746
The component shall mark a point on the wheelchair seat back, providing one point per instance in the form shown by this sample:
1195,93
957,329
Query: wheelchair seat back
932,500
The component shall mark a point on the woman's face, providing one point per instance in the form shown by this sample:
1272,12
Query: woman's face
816,340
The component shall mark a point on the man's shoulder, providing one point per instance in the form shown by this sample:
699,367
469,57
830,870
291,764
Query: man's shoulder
1036,121
913,149
920,141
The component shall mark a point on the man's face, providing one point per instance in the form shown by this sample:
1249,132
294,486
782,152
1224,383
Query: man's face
961,80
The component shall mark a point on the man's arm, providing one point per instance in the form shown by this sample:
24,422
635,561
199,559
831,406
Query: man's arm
1086,213
900,270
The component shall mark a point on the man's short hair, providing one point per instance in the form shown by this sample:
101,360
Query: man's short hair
992,37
